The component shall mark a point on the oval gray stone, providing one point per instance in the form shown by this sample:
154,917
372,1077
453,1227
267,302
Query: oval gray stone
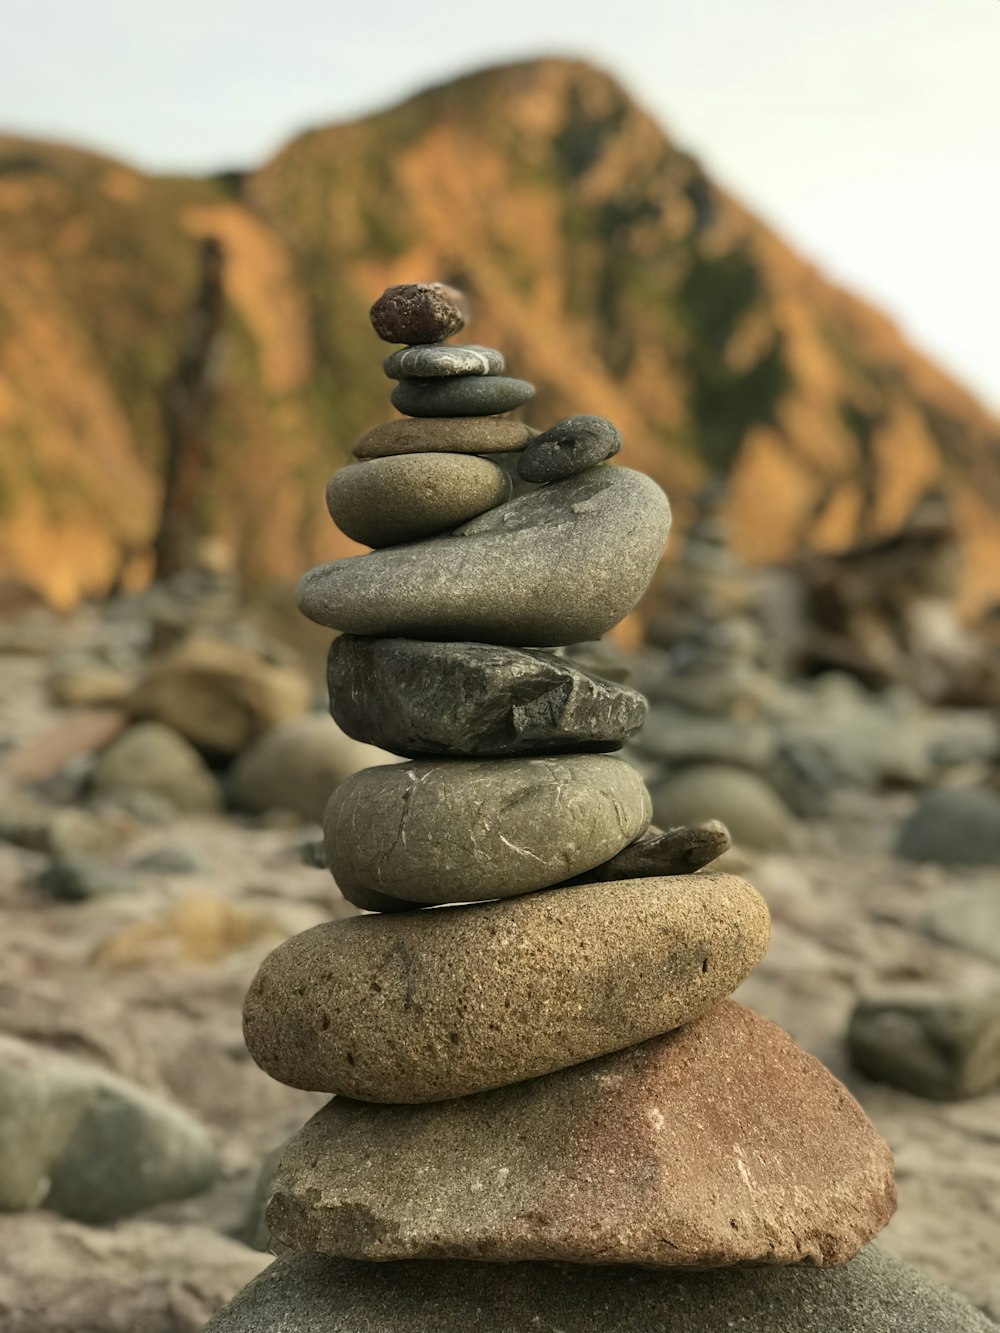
434,361
415,697
562,564
453,830
423,1006
874,1293
569,447
386,501
445,435
462,396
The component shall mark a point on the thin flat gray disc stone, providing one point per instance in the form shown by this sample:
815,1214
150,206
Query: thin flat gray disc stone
436,360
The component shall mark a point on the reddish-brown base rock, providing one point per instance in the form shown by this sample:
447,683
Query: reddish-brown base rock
719,1144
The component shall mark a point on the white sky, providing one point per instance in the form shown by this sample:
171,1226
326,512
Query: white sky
867,131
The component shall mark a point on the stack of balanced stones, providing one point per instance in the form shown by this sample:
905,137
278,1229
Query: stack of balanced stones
546,1067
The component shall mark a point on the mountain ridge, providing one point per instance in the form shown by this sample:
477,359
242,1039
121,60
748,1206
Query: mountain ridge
601,258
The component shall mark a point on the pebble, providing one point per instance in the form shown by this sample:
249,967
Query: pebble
569,447
968,917
429,362
749,806
559,565
874,1293
954,827
445,435
418,312
415,697
679,851
470,830
424,1006
386,501
672,1187
932,1044
151,757
462,396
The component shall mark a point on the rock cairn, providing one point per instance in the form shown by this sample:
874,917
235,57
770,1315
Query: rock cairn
522,1075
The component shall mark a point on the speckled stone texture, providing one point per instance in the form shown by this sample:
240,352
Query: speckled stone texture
418,312
461,396
560,565
431,362
468,830
424,1006
875,1293
385,501
445,435
719,1144
415,697
569,447
678,851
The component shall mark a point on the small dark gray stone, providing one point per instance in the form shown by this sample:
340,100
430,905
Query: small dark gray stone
929,1043
569,447
679,851
434,362
418,312
959,827
463,396
559,565
874,1293
414,697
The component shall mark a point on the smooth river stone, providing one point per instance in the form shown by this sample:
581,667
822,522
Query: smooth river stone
432,362
422,698
874,1293
418,312
719,1144
423,1006
445,435
562,564
463,396
569,447
385,501
469,830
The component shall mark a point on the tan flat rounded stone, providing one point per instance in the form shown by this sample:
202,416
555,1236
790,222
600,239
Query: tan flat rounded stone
719,1144
386,501
423,1006
445,435
468,830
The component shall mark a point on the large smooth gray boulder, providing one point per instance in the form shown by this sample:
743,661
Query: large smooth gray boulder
415,697
875,1293
423,1006
559,565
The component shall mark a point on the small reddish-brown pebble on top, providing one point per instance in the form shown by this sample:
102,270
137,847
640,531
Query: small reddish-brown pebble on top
417,313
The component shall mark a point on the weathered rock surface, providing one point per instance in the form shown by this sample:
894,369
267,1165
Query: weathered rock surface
615,1161
468,830
461,396
750,808
431,361
425,1006
418,312
954,827
446,435
57,1276
873,1294
560,565
89,1145
386,501
415,697
295,766
678,851
220,695
152,757
569,447
937,1045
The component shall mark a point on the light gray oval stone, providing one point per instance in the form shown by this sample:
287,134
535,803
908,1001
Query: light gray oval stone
461,396
433,361
569,447
874,1293
453,830
423,1006
560,565
386,501
415,697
